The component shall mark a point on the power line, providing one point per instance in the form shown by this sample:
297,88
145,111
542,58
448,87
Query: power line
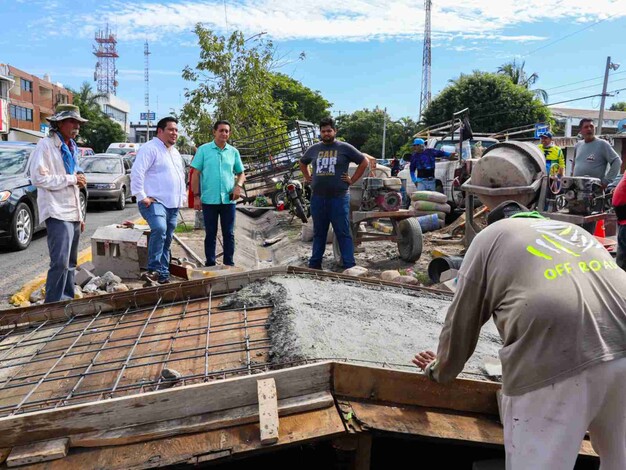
569,35
584,87
582,81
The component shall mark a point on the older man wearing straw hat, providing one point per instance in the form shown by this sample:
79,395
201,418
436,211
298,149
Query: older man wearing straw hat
55,172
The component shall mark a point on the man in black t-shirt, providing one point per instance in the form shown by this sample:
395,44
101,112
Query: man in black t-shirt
330,182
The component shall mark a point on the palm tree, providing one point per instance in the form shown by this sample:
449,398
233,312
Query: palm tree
518,76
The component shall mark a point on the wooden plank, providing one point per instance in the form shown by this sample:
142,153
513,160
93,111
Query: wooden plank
38,452
4,453
199,423
438,424
413,388
193,448
160,405
268,411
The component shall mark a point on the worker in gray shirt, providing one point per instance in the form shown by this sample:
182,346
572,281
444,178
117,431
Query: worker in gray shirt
592,156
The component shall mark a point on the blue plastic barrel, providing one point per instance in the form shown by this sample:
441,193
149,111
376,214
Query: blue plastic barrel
428,223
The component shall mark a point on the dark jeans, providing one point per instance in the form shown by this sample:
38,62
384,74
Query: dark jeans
336,211
226,215
63,247
621,246
162,222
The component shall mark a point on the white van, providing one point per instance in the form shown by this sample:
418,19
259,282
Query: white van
123,148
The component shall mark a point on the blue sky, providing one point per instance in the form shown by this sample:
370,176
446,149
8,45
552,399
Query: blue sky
359,53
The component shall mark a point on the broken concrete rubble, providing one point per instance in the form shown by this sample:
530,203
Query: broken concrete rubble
357,271
389,275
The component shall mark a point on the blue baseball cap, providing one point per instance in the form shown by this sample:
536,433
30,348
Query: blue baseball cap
546,134
418,142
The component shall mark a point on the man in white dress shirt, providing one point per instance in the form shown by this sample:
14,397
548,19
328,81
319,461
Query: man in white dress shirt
158,183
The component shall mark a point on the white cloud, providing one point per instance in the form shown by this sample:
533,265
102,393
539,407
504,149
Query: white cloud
349,20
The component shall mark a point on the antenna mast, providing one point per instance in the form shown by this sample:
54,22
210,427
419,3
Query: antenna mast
425,95
105,49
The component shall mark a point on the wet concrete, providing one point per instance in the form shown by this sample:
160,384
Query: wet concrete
331,319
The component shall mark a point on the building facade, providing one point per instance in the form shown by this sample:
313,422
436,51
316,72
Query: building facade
138,132
31,101
117,109
569,118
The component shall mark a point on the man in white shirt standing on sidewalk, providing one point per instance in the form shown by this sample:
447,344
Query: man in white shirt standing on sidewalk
158,182
55,172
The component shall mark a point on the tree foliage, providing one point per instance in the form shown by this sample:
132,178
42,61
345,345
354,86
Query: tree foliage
494,101
619,106
519,76
101,130
364,130
298,101
233,81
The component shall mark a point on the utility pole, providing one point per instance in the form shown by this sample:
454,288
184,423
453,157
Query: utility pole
609,66
146,53
384,132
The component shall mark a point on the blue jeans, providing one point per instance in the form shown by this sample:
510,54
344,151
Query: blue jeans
336,211
162,222
226,214
621,246
63,247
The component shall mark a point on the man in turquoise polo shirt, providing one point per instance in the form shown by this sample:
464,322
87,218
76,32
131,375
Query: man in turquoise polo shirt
217,185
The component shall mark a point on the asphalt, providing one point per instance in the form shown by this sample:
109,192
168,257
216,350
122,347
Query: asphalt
17,268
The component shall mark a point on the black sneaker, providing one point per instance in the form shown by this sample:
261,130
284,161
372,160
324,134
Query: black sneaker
164,281
149,276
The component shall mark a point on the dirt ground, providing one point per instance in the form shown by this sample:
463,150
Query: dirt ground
377,256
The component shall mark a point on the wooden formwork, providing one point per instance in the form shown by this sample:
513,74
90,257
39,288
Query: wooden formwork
81,384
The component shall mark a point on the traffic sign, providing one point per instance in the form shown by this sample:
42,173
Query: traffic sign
540,129
147,116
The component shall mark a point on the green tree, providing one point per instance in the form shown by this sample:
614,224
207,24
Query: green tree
233,81
100,131
364,130
518,76
495,103
619,106
185,146
298,101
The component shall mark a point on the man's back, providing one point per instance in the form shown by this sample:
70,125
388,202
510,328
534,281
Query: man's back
557,297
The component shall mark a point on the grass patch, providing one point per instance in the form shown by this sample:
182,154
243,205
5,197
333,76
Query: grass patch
183,228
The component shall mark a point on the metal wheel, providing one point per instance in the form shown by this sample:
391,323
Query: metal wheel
82,199
409,239
277,197
22,230
121,202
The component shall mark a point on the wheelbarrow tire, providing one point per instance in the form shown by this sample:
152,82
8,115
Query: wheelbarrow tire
409,239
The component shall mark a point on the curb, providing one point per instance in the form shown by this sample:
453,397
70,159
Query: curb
23,294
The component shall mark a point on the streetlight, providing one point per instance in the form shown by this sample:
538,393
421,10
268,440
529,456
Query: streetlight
609,66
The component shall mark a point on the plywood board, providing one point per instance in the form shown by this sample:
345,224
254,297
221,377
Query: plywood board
268,411
38,452
195,448
386,385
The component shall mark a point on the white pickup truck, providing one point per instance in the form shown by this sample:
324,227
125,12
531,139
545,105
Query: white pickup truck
449,174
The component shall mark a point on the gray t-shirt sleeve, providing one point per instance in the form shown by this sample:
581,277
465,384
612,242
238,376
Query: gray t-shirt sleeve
308,155
353,154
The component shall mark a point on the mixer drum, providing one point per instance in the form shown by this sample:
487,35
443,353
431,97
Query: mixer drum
508,165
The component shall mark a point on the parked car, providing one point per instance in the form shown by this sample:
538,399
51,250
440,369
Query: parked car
19,216
85,152
108,178
123,148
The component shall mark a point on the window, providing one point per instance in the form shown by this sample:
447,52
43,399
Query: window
26,85
21,113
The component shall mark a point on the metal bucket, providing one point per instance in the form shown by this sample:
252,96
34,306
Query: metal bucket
442,264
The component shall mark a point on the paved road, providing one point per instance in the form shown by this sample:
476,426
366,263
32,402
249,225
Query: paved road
19,267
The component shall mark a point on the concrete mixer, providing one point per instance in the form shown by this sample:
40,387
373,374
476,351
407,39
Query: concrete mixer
517,170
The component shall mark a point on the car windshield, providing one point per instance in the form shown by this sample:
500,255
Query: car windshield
101,165
450,146
13,160
120,151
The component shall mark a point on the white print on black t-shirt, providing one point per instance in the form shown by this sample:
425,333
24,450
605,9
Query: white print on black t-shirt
326,162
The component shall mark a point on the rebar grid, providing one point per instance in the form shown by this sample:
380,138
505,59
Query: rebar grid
119,366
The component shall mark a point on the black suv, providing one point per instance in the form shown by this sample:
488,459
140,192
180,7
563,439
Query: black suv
19,217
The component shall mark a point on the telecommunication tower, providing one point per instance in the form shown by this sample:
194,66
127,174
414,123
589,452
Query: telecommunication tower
146,76
105,49
425,95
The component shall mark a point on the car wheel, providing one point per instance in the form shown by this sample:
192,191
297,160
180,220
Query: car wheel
82,199
121,202
22,227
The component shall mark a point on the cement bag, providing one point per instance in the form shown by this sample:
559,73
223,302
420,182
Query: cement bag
439,214
307,232
433,196
431,206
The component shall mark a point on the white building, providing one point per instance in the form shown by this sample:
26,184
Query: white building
117,109
570,117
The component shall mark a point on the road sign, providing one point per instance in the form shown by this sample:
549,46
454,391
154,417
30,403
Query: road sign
540,129
147,116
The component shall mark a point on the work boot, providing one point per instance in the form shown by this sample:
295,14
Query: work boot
151,276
